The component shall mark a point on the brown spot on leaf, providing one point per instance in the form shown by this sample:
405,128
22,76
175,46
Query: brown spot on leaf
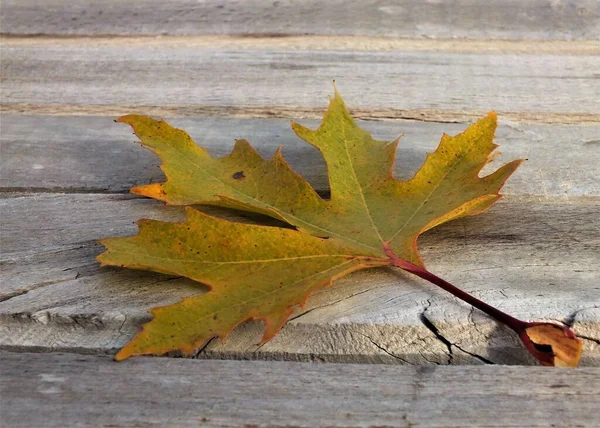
239,175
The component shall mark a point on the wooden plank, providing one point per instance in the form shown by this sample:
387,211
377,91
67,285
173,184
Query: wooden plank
500,19
536,259
67,390
71,153
38,77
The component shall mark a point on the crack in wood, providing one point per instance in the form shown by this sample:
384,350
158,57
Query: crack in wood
295,112
431,326
381,348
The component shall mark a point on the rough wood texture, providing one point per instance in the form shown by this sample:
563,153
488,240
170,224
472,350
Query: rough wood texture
94,154
531,256
88,75
226,69
69,390
500,19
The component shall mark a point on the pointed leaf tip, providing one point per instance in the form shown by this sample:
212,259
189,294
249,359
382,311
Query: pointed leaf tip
154,191
130,118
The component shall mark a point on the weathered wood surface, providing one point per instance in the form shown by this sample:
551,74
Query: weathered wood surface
94,154
68,390
68,76
499,19
222,70
531,256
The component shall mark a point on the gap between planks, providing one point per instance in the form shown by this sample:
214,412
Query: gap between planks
299,112
311,42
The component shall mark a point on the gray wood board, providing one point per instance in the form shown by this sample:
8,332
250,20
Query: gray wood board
92,154
67,390
88,75
500,19
533,257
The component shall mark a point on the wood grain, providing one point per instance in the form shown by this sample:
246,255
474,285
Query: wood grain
93,154
498,19
229,69
315,43
70,390
174,77
533,258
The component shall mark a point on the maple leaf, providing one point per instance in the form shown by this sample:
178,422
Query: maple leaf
368,207
264,272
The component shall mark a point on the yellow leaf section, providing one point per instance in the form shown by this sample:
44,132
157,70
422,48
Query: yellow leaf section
241,180
378,210
254,272
369,208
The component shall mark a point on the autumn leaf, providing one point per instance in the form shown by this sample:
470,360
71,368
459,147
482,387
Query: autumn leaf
264,272
368,207
254,271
